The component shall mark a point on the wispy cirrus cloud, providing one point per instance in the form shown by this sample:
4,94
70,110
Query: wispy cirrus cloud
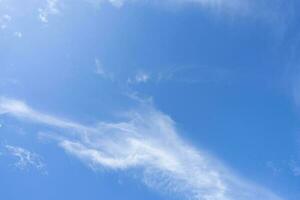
149,141
25,158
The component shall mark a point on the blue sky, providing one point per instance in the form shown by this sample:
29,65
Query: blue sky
173,99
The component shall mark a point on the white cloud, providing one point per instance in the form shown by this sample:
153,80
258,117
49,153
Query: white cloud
49,9
147,140
25,158
4,21
101,71
99,67
18,34
140,77
21,110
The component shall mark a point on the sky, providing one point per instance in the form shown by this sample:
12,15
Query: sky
139,99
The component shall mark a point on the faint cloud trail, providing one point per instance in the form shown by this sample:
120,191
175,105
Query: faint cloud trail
147,140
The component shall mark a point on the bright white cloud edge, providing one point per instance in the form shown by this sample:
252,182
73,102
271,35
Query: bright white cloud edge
147,141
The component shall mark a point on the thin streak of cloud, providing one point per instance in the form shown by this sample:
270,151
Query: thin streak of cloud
99,68
20,109
101,71
147,140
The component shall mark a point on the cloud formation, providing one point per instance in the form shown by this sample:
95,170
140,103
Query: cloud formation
49,9
18,34
140,77
99,68
146,141
102,71
4,21
25,158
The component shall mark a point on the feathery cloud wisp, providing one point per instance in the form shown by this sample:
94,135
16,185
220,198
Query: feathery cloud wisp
25,158
147,140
